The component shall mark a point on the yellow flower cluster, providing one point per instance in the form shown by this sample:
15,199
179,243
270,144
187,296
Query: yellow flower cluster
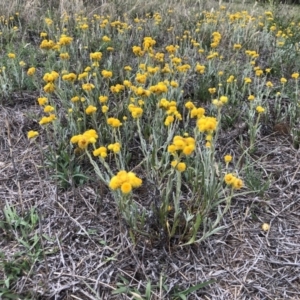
48,108
194,111
88,87
220,102
183,68
83,75
102,151
106,74
47,44
137,50
233,181
148,43
184,145
83,140
116,147
136,111
117,88
71,77
153,70
50,77
260,109
103,99
141,78
96,56
171,49
159,88
31,71
90,110
227,158
125,181
200,68
46,120
64,56
113,122
42,101
65,40
32,134
252,54
179,166
139,91
207,124
216,38
171,111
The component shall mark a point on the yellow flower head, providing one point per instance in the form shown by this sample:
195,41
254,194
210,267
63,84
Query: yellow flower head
283,80
64,56
46,120
269,84
50,77
237,46
265,227
229,178
106,74
11,55
83,140
75,99
230,79
117,88
224,99
96,56
114,122
148,43
127,68
88,87
247,80
31,71
126,187
104,109
207,124
197,112
179,166
49,87
103,99
189,105
137,51
32,134
47,44
260,109
105,38
237,183
101,151
71,77
65,40
116,147
83,75
125,181
90,109
48,108
42,101
212,90
186,145
227,158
